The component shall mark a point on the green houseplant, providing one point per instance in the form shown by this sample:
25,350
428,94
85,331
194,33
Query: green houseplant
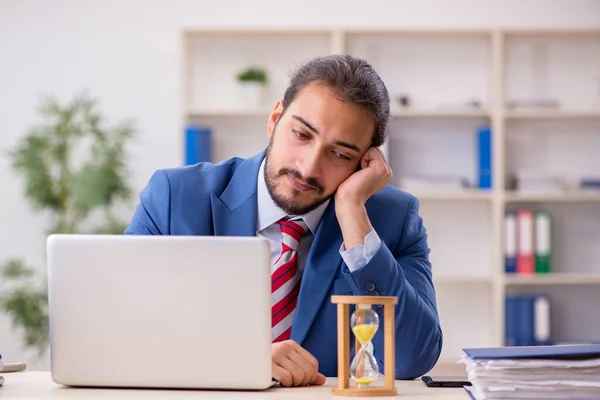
253,83
253,74
74,168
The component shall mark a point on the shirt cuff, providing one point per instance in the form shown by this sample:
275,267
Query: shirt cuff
359,255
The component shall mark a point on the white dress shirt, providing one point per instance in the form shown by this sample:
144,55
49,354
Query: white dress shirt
266,225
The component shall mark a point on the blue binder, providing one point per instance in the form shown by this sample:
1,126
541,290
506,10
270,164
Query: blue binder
510,249
511,312
579,351
198,144
484,160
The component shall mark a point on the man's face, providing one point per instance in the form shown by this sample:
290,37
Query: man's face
314,146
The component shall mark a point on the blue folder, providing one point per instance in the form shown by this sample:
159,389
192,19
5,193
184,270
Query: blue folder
484,158
198,144
571,351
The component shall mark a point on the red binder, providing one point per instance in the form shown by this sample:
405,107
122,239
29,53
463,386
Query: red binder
525,242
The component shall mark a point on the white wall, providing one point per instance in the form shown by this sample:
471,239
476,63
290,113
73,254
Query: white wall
126,53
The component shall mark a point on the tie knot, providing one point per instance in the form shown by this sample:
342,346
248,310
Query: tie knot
294,230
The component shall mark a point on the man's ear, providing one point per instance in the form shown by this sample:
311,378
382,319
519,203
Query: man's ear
274,117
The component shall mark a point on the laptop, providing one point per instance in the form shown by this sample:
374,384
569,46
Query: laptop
160,311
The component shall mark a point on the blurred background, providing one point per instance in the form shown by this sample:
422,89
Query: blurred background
496,128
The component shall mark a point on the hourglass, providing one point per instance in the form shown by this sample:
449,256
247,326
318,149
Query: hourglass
364,323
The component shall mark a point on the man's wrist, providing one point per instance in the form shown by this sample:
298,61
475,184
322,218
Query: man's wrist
354,222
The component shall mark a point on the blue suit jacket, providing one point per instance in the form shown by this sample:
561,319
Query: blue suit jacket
220,199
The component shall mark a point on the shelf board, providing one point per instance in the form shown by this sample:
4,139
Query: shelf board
568,32
473,194
255,31
553,279
462,279
552,114
395,112
230,112
567,196
442,33
399,112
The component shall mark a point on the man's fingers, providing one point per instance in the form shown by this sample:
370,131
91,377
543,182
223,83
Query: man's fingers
309,371
384,161
295,366
302,358
298,374
283,376
319,380
308,357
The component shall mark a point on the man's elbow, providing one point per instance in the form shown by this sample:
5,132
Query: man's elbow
424,359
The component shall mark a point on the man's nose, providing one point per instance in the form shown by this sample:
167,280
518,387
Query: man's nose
309,164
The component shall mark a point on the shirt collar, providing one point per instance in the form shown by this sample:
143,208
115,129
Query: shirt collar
269,212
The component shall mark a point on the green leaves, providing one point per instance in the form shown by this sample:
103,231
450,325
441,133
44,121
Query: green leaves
72,164
26,303
32,158
253,74
15,269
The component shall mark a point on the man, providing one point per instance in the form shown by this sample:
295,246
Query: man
320,195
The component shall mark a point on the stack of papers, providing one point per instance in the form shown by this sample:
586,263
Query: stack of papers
537,372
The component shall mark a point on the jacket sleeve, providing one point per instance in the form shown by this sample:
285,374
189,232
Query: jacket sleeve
406,274
152,213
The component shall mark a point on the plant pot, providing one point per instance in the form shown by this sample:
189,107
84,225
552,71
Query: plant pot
252,94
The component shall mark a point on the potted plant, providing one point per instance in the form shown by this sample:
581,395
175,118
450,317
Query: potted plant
253,86
74,168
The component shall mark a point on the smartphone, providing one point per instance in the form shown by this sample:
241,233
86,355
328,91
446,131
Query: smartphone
445,381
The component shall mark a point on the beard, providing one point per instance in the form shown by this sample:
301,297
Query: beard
293,205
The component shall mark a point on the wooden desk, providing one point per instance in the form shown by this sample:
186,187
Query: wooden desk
39,385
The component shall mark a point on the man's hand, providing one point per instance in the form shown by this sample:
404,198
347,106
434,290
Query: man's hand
375,173
294,366
353,193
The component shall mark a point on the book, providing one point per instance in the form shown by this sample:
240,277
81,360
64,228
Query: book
525,240
533,372
198,144
566,352
484,157
527,320
543,242
510,242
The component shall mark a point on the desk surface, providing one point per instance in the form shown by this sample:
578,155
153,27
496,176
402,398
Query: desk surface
39,385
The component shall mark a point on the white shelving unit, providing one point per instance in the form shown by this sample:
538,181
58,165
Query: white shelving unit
442,72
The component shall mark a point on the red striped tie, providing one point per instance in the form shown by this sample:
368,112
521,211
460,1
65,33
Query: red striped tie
285,280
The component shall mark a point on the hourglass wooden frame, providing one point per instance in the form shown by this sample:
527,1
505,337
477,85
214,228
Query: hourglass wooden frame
343,317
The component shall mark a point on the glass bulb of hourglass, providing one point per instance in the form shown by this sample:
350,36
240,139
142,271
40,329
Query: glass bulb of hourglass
364,369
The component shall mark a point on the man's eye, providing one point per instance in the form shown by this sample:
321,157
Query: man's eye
341,156
300,134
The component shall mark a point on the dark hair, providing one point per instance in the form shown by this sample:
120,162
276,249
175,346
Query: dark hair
352,79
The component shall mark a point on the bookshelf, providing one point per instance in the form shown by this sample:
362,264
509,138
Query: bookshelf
457,81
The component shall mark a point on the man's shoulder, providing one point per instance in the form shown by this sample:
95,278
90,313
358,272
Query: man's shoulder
211,176
393,197
389,210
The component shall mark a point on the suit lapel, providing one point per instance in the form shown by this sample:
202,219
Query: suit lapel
234,212
322,265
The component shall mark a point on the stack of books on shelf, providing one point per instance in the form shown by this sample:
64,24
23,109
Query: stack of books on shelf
528,242
527,320
541,372
528,251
